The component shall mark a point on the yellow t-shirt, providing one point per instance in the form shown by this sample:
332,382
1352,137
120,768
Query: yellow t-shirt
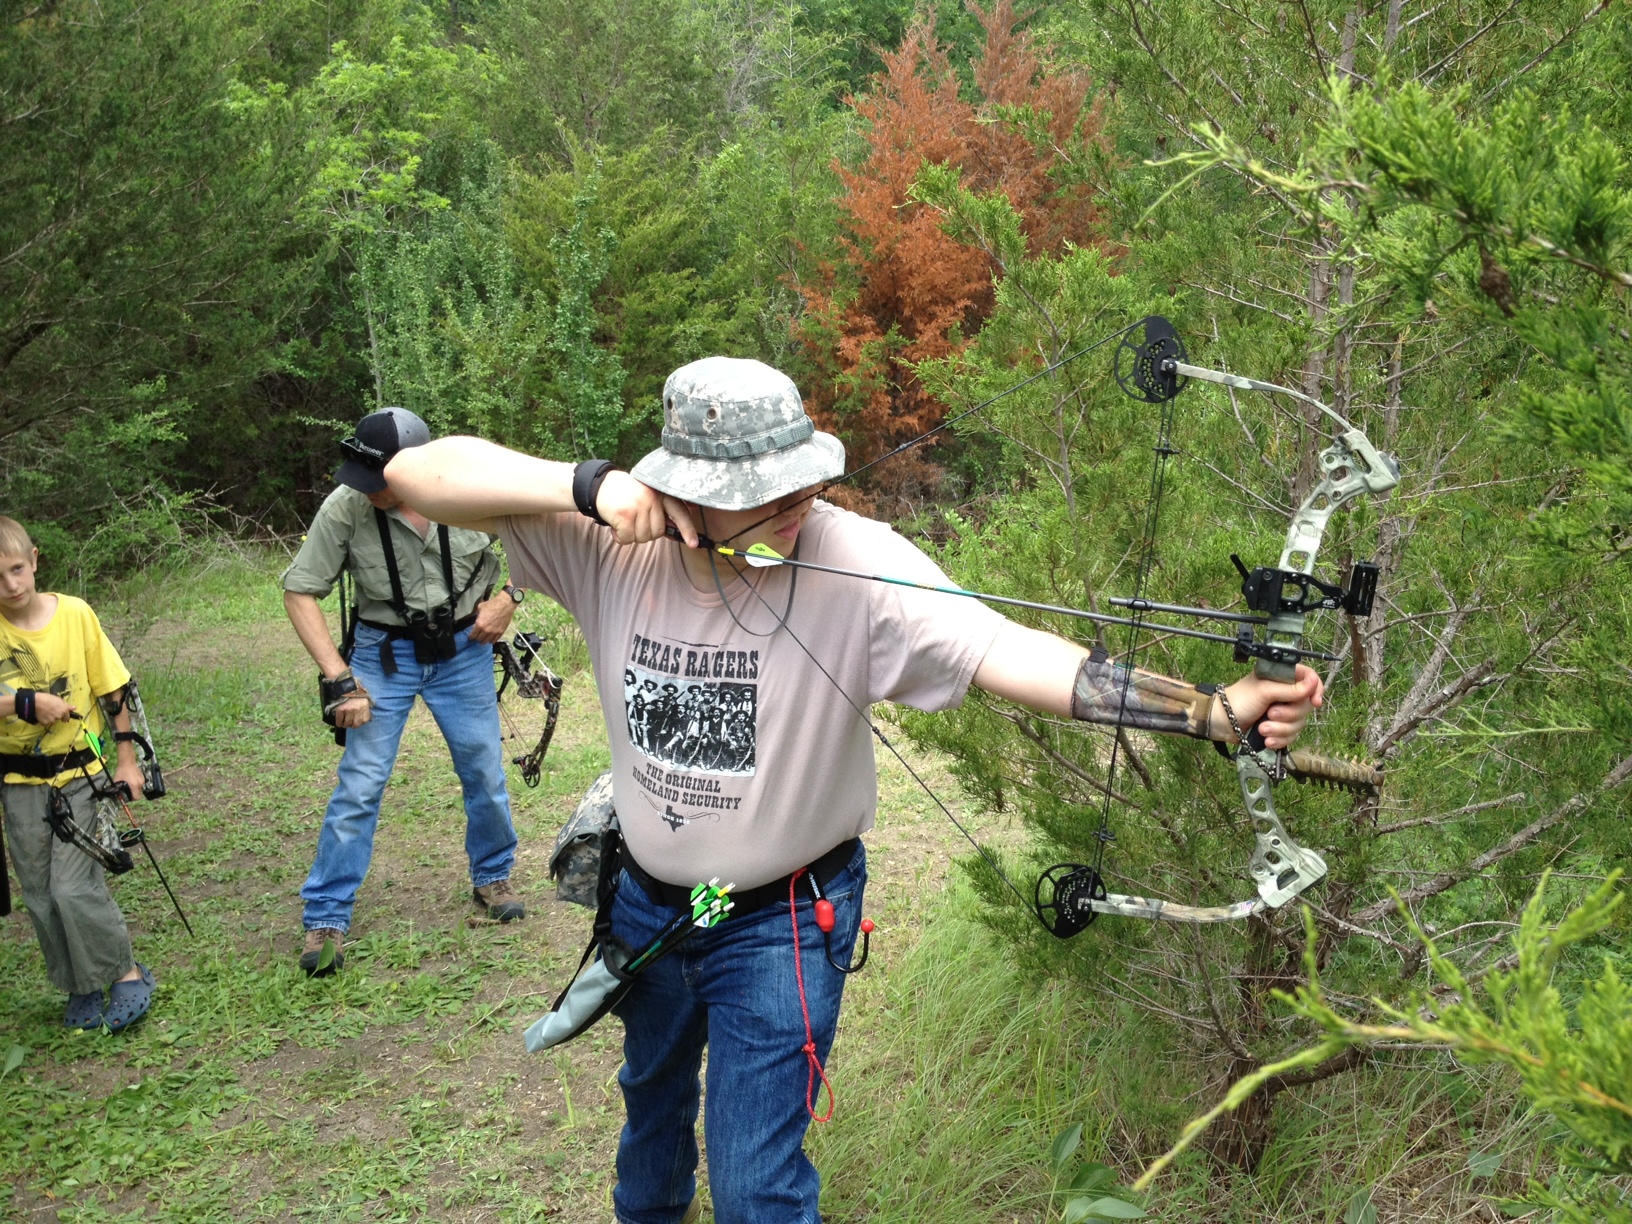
72,658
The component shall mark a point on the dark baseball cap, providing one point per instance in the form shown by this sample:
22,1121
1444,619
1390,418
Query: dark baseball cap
379,436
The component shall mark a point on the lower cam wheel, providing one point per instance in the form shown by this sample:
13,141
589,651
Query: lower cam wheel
1071,889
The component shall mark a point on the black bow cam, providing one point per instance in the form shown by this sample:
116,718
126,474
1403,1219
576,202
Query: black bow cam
1145,361
1068,908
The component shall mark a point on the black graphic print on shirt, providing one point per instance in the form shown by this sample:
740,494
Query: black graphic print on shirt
693,710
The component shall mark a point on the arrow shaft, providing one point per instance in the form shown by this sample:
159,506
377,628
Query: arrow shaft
1081,614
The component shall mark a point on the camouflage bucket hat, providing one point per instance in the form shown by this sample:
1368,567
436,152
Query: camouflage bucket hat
735,436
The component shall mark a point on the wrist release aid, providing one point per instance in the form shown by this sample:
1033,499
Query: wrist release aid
1106,692
587,478
24,707
335,693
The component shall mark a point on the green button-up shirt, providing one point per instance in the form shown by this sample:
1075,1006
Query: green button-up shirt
344,536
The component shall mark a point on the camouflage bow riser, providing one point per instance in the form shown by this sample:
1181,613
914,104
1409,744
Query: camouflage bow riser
1350,466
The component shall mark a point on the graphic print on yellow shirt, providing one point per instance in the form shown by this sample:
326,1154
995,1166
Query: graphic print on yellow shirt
72,658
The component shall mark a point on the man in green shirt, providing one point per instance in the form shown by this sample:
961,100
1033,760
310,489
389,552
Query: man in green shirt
426,621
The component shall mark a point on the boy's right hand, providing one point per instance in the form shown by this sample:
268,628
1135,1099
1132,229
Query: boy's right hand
49,708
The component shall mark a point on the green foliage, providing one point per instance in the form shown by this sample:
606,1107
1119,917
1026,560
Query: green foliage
1516,222
452,331
590,378
601,73
1571,1057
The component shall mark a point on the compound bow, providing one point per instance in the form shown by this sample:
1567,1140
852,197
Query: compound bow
1152,367
105,841
520,663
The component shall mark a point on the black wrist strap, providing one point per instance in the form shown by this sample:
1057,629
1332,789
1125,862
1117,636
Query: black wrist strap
586,483
24,705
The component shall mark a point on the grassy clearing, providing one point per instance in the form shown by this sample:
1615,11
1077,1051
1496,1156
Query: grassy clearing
398,1090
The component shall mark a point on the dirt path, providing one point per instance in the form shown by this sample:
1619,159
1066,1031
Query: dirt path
397,1089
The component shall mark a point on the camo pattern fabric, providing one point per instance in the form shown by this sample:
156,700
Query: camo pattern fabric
575,863
736,436
1152,703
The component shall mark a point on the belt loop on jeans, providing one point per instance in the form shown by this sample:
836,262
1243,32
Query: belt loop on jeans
678,896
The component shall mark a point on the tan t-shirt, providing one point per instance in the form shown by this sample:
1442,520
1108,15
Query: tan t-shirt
732,754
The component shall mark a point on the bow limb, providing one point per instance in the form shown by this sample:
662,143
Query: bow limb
1350,465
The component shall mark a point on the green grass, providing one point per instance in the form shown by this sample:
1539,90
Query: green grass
398,1089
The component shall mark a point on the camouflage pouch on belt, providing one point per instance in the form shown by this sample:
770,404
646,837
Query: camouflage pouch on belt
575,863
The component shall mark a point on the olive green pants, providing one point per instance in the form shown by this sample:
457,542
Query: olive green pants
81,931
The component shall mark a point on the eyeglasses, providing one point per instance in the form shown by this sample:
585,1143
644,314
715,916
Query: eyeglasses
364,453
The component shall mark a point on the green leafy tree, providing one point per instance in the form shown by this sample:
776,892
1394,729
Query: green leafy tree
590,379
452,330
1478,682
1569,1056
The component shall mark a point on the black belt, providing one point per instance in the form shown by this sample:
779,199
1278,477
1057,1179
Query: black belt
401,633
32,765
678,896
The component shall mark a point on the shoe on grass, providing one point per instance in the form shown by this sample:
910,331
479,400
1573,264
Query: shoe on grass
500,901
321,954
84,1011
128,1001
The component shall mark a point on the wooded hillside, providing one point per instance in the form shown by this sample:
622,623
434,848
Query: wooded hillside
231,228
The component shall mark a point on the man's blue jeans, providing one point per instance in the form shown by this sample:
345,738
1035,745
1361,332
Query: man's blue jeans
461,697
733,989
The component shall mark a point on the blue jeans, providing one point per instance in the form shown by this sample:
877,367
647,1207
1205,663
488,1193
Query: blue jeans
733,989
461,697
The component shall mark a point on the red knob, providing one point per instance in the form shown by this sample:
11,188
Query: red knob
866,926
824,914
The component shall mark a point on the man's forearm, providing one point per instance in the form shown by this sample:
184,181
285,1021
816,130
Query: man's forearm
312,628
463,480
1046,673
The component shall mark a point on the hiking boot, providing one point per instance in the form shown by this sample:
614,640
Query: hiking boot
500,901
321,954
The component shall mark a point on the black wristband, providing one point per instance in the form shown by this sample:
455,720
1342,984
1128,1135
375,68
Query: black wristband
24,707
586,483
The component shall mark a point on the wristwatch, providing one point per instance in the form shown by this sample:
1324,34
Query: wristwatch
516,593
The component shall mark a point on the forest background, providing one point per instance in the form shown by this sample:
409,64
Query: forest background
230,228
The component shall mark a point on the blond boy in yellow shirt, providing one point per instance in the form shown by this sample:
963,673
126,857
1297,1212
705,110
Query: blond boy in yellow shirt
55,662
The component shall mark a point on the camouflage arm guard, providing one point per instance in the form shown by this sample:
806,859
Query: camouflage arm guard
1152,702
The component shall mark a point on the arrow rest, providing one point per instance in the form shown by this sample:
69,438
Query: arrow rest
1144,366
1072,888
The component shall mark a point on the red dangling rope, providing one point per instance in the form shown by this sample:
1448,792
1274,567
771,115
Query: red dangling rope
814,1070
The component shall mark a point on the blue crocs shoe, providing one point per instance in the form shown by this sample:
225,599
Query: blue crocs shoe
128,1001
84,1011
